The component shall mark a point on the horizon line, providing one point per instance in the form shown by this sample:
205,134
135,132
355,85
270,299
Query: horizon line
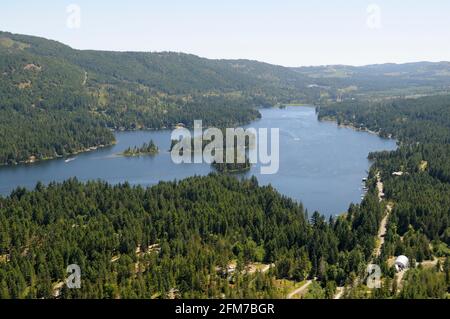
233,59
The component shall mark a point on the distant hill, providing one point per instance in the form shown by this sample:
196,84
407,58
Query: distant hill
169,72
55,100
51,93
381,79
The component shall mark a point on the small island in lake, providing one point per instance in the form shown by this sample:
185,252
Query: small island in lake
146,149
234,167
220,166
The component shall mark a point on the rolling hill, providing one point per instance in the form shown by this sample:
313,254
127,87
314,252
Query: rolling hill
55,100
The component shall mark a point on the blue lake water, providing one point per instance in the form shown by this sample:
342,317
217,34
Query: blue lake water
321,164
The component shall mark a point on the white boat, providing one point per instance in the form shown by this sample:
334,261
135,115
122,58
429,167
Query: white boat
70,159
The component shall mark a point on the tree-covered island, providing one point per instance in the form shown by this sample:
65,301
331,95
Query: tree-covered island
146,149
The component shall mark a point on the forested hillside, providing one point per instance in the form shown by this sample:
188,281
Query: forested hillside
82,95
416,179
180,239
55,100
175,240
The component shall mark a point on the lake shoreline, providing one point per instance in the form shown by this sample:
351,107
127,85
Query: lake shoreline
320,165
93,148
32,160
353,127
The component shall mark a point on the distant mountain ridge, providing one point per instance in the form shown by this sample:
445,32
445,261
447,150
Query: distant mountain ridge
185,72
55,100
180,73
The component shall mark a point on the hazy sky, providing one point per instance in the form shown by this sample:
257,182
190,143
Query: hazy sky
285,32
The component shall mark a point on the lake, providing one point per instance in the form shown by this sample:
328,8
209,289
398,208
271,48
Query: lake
321,165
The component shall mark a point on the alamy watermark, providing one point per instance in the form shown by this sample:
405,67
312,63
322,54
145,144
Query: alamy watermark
231,146
73,20
373,273
74,279
374,16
